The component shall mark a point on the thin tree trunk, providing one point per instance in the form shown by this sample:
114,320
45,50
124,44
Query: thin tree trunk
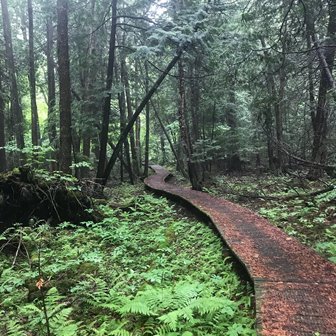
136,114
195,99
138,121
3,163
269,108
123,123
279,117
64,86
88,108
16,109
107,100
185,135
147,124
51,83
124,78
52,133
178,161
35,128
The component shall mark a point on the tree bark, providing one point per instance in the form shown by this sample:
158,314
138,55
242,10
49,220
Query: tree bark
3,163
64,86
51,83
184,130
125,80
320,119
123,123
107,100
136,114
147,125
16,109
35,128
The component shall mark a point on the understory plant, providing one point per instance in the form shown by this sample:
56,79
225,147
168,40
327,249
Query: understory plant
142,270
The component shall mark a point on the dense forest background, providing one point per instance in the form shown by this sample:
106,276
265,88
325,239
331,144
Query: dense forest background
98,86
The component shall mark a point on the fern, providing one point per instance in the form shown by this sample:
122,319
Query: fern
14,328
136,306
141,272
120,332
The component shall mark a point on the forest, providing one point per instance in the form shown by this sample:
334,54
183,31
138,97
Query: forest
237,98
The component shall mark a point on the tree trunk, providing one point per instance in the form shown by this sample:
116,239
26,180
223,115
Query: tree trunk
3,163
268,112
51,83
195,94
320,119
89,105
147,125
35,128
123,123
107,100
234,162
136,114
16,109
64,86
184,130
279,118
124,79
178,161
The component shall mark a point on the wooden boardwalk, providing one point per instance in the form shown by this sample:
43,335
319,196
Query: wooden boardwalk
295,287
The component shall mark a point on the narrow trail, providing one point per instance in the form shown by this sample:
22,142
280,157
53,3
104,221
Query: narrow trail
295,288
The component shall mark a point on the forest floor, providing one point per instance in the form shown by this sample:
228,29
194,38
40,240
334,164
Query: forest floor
143,269
287,202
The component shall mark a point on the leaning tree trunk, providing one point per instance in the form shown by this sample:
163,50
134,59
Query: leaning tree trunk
179,163
35,128
123,123
64,86
107,100
136,114
16,109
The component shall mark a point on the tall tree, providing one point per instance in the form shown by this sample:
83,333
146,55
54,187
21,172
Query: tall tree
320,118
2,126
107,99
35,128
184,130
125,80
16,109
51,81
147,124
64,86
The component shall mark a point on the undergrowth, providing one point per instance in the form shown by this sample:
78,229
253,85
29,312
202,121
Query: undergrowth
311,219
143,271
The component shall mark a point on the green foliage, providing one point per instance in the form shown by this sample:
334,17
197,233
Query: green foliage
143,271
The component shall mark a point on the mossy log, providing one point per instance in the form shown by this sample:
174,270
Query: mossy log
26,197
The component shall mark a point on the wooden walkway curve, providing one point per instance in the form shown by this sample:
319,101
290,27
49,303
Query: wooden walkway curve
295,287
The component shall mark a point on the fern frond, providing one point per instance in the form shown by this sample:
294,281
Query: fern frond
120,332
136,306
14,328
